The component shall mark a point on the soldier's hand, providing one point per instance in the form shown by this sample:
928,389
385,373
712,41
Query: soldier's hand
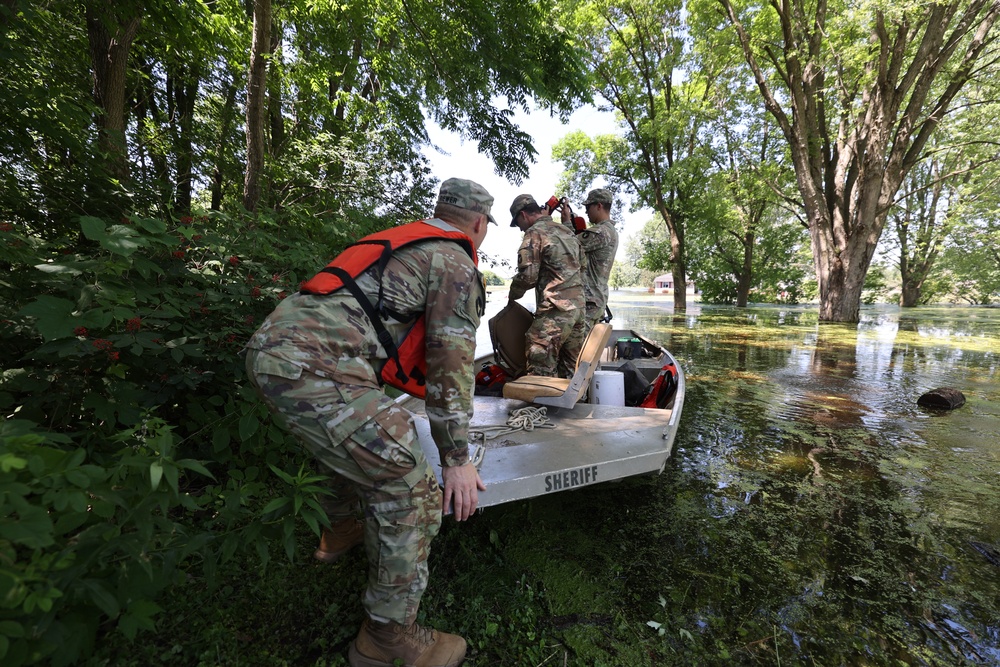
462,485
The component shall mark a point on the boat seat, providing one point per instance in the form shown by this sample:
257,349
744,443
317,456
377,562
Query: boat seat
563,392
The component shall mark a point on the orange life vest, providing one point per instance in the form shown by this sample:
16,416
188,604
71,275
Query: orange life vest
406,367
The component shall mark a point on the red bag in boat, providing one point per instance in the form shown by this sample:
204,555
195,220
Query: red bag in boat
491,376
662,389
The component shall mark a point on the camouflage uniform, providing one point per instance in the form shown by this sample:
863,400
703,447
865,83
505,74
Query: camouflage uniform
549,260
600,243
316,361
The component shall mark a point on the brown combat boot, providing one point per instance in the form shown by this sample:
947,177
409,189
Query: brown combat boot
338,539
382,644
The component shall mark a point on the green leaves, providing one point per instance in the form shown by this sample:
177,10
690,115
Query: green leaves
298,501
53,316
92,541
139,617
118,239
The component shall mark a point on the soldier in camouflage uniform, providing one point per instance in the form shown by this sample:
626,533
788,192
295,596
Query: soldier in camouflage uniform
600,243
549,260
316,362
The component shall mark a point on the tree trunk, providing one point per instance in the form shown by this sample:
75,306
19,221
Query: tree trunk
150,119
745,279
110,34
186,79
839,293
679,270
276,118
910,296
678,265
225,126
256,106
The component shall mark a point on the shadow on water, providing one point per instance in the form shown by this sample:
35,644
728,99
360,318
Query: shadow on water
812,513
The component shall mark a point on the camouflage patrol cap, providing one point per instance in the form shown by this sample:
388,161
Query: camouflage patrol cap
467,194
599,195
520,203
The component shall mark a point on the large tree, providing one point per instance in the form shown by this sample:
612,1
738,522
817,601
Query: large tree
952,187
111,27
857,92
642,69
257,102
746,231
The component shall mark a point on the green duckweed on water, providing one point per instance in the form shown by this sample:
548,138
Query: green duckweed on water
811,514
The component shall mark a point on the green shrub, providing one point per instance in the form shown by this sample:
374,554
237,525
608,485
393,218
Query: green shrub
132,453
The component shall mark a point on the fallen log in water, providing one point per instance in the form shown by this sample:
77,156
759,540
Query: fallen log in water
947,398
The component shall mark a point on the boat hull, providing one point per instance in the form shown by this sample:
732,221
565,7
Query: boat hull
589,444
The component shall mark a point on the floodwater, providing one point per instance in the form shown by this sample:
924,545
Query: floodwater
812,513
869,526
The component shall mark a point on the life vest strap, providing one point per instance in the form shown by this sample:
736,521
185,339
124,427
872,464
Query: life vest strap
384,337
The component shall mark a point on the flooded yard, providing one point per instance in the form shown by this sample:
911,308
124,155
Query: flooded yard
811,514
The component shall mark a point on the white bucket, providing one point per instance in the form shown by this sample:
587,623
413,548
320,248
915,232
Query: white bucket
607,388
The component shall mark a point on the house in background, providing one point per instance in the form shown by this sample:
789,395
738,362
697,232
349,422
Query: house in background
665,284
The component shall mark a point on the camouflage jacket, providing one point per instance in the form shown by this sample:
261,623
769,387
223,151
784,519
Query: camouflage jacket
549,260
331,336
600,243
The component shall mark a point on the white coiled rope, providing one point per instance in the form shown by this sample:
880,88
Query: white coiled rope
521,419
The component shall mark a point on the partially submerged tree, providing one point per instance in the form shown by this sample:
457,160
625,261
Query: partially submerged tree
640,70
857,93
955,181
922,220
746,232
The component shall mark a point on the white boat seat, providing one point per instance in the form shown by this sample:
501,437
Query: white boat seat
563,392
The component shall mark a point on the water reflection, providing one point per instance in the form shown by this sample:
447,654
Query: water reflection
815,514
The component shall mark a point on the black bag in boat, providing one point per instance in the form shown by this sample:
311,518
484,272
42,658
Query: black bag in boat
636,384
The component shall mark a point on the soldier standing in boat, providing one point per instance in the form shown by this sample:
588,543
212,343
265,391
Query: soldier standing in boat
550,261
600,244
319,362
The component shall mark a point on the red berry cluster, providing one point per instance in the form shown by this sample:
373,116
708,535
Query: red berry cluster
105,345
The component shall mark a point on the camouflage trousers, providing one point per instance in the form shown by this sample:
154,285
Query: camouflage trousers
593,316
369,448
553,342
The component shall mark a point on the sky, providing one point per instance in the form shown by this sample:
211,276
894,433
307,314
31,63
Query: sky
455,158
